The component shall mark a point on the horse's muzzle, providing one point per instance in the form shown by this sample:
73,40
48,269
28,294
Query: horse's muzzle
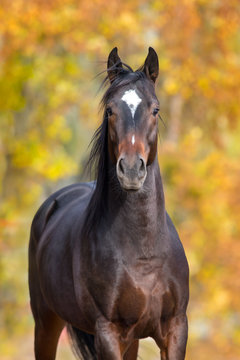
131,172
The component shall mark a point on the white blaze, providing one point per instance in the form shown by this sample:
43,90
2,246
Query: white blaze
132,99
133,139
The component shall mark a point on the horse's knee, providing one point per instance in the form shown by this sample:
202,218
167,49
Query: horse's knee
178,337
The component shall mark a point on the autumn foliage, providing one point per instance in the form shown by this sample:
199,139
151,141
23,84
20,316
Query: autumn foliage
50,53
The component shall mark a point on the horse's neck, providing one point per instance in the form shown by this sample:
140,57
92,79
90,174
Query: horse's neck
142,212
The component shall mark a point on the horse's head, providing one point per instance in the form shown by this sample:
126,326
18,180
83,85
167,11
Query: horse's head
132,110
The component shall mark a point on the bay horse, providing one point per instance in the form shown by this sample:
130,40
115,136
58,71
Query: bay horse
105,259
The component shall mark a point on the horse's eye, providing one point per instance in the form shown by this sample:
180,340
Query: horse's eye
155,111
109,111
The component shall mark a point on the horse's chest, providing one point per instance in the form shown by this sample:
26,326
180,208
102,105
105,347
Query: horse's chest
138,297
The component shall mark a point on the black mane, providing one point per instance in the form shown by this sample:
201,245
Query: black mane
98,159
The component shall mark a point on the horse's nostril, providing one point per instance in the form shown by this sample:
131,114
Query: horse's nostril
121,168
142,168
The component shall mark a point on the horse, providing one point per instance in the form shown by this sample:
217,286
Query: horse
105,259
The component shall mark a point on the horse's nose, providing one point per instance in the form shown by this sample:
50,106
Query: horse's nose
137,170
131,174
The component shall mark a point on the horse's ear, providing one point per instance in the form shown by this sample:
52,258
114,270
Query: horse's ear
151,67
114,64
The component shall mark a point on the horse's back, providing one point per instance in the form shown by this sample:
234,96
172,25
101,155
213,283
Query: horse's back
58,201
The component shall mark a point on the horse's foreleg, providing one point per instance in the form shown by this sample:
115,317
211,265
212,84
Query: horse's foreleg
107,341
177,338
131,353
173,340
47,332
